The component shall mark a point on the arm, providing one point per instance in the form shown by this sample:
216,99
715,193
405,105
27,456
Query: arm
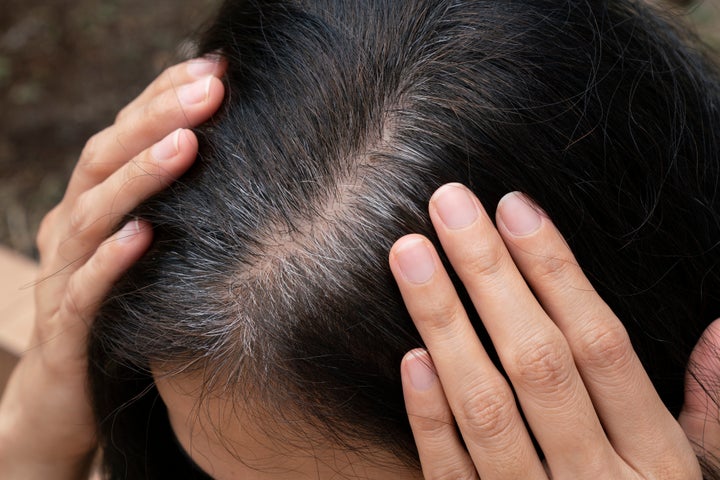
47,429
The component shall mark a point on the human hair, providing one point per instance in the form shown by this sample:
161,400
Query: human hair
268,273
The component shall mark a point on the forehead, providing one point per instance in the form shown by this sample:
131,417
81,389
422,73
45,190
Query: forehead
218,433
229,438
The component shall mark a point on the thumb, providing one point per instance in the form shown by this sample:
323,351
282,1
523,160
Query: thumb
700,416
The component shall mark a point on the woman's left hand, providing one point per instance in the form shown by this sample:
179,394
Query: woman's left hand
573,375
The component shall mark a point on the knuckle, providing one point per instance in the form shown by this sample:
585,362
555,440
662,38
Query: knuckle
79,214
70,307
431,426
128,173
167,77
89,165
444,315
46,231
551,269
123,114
93,169
676,467
139,177
100,261
454,471
605,348
487,409
543,364
76,303
487,260
89,149
155,110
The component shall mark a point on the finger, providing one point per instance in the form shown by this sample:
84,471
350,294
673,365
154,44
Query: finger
635,419
177,75
481,401
97,211
71,233
442,455
531,348
141,126
700,415
88,287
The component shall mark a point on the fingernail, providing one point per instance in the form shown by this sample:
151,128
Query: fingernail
415,261
201,67
128,232
196,92
168,147
456,207
421,370
519,215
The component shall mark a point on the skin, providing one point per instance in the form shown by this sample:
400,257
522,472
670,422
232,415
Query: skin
46,423
231,438
583,391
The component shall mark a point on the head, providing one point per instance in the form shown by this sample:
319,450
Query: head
263,332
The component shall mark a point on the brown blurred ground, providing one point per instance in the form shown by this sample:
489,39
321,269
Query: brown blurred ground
67,66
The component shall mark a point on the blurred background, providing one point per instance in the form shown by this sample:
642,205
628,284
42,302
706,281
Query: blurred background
67,66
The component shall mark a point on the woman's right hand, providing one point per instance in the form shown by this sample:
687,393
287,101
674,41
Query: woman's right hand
47,428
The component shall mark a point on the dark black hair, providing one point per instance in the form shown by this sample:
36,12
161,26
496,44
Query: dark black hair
268,272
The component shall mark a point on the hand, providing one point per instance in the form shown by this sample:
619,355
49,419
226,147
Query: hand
700,415
584,393
47,427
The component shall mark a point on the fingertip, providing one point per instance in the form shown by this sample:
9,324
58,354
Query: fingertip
128,244
187,140
419,370
205,97
221,63
445,187
176,152
209,64
402,243
215,91
455,206
406,240
133,231
415,355
168,147
412,257
520,216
